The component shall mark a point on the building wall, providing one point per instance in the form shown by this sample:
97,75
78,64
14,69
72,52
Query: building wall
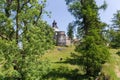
68,42
61,38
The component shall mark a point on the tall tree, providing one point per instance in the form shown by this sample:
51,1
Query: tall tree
92,46
70,31
115,41
81,10
21,24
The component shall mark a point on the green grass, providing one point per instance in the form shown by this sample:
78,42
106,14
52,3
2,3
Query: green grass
62,64
109,69
69,67
55,55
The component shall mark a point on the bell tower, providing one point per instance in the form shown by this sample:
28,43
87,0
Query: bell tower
54,25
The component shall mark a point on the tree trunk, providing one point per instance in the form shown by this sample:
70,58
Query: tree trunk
17,21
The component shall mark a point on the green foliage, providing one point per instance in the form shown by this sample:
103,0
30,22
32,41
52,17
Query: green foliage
118,53
85,13
38,37
28,58
116,22
115,41
70,31
34,46
110,69
24,38
93,55
92,45
9,52
33,68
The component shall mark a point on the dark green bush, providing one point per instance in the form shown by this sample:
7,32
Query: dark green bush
118,53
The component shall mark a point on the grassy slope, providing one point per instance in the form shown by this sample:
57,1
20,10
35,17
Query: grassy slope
65,69
112,68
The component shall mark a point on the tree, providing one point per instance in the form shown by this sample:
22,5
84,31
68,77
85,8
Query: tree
24,37
92,46
81,11
93,53
70,31
115,41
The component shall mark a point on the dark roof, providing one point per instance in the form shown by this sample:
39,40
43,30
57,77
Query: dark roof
54,24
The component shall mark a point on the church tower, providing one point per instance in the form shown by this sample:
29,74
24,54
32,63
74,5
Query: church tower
59,36
55,27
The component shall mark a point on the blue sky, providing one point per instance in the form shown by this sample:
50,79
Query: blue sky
63,17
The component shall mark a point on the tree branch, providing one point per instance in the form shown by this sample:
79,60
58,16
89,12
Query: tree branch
3,37
41,10
24,4
7,9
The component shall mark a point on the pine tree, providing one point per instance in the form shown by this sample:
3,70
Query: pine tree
115,39
92,46
70,31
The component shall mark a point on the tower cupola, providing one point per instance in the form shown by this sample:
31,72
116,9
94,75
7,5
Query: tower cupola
54,25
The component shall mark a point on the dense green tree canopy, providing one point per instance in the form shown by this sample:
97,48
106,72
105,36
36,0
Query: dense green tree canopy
24,37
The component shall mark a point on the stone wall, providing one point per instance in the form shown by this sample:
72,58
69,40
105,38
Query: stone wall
61,38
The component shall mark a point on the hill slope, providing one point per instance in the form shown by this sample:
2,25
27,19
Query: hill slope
65,65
